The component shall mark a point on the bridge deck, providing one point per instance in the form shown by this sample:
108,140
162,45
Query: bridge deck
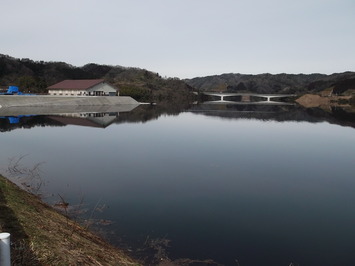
249,103
226,94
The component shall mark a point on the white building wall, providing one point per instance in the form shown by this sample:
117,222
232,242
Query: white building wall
67,92
104,87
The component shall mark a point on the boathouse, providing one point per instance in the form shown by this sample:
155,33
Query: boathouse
83,87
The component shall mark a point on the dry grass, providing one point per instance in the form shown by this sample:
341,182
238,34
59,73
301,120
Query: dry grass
42,236
313,100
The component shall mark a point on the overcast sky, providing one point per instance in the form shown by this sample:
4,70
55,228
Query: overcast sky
185,38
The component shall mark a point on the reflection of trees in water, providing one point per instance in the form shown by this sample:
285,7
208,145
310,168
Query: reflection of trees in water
27,122
277,113
141,113
144,113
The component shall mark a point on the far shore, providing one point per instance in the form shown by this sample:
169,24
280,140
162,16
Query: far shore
314,100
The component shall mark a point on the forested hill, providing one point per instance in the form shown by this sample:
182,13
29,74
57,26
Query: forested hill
144,85
280,83
141,84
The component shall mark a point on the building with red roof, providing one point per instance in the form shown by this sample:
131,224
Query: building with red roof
83,87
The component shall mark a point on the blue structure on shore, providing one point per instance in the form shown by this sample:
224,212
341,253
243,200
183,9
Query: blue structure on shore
13,90
15,119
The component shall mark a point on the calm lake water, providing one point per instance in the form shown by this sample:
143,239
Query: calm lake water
226,184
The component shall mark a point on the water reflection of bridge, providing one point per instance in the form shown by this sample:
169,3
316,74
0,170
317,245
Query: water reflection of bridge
246,98
267,111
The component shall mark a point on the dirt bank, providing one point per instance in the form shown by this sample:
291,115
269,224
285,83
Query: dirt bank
42,236
313,100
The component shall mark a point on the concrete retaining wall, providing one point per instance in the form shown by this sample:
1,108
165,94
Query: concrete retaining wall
44,100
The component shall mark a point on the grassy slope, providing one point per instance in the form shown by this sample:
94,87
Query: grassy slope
42,236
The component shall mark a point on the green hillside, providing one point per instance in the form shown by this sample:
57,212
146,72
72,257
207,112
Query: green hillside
141,84
144,85
279,83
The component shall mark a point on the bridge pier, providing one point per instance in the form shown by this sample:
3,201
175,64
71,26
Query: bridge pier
245,98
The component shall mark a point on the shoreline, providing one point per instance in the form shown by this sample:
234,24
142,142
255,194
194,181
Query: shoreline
314,100
41,235
9,101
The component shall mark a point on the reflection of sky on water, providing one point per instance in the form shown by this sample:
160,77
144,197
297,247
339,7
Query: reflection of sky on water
268,191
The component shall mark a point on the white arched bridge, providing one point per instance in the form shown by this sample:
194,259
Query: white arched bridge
245,97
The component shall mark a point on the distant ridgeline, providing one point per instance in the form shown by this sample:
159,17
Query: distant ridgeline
143,85
140,84
280,83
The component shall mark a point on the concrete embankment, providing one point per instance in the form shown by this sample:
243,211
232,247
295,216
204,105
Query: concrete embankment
46,100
